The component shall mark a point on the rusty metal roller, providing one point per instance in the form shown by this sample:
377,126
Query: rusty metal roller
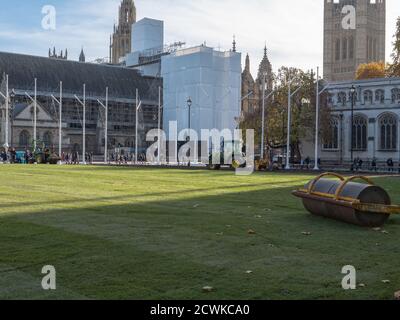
362,204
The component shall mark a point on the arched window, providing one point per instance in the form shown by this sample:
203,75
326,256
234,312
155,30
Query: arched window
380,96
388,132
359,133
24,139
332,138
337,50
368,96
351,48
395,95
342,98
344,49
47,139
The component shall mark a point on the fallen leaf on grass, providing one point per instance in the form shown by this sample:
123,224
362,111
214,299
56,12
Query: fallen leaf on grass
385,232
208,289
386,281
196,206
249,272
258,217
377,229
251,232
361,285
220,234
306,233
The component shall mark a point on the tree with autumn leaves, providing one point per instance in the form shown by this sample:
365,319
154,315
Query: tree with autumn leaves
379,69
371,70
394,68
302,111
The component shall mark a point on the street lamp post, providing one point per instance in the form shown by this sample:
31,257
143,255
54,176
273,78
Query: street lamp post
35,118
317,106
7,99
138,105
189,104
105,127
59,102
353,91
136,125
159,126
83,104
34,101
290,95
316,166
263,118
263,135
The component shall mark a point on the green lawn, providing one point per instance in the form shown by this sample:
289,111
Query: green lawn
120,233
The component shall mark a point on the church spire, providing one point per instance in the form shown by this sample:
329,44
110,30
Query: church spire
247,66
265,69
82,57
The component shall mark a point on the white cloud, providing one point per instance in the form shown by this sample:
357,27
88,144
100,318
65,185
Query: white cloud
292,29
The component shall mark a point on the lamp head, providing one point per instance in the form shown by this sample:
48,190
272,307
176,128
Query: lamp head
189,102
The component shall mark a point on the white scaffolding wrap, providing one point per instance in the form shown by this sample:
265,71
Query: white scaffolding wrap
212,79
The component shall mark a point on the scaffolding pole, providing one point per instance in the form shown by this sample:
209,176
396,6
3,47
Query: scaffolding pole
6,98
105,106
59,102
83,104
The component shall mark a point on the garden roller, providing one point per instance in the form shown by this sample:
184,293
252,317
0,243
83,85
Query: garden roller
343,199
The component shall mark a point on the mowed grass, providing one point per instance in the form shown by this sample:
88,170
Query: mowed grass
124,233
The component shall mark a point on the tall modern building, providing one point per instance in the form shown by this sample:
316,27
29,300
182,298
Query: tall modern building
120,41
354,33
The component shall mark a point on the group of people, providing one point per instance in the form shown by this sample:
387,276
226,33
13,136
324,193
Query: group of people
9,155
73,158
358,165
307,163
121,158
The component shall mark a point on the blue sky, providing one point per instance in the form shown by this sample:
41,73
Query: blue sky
292,29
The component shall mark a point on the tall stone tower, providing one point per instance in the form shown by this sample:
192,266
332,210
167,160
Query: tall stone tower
120,41
354,33
252,88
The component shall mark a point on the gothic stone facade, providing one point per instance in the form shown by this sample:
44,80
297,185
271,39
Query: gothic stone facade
252,89
376,119
121,42
345,49
122,84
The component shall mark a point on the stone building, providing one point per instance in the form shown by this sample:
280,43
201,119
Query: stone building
120,41
354,33
122,84
376,117
252,89
82,57
54,55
